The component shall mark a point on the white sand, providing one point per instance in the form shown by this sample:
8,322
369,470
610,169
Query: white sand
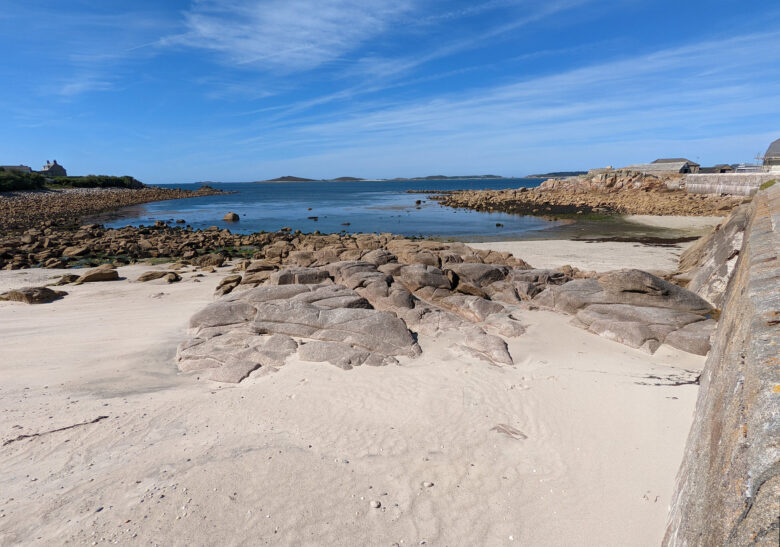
296,457
675,222
590,255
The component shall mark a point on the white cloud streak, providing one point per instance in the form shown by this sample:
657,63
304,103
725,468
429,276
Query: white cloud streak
686,93
84,84
286,35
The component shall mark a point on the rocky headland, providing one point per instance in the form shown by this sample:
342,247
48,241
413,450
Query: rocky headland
67,207
615,192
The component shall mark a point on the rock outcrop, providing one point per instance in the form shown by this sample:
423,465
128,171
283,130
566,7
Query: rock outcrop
707,265
361,304
170,277
353,301
622,191
104,272
32,295
728,487
635,308
263,326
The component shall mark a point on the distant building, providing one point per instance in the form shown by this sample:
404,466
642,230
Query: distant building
662,167
748,168
692,166
53,169
18,168
772,157
720,168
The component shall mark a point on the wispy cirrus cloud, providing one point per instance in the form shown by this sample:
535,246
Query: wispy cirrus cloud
695,92
375,73
287,35
83,84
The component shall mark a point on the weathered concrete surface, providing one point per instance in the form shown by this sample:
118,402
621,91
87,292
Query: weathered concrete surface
739,184
728,487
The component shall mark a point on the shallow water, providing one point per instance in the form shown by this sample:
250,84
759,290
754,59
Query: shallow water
375,207
353,207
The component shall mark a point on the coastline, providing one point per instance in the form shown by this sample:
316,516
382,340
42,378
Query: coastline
21,210
572,424
197,460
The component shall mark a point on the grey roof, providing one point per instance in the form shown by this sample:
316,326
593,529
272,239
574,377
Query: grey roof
664,167
675,160
774,150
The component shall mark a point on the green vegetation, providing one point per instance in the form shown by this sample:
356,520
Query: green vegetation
94,181
767,184
11,180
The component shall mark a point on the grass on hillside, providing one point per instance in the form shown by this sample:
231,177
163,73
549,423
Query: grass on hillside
767,184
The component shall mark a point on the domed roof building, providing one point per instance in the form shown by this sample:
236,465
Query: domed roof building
772,157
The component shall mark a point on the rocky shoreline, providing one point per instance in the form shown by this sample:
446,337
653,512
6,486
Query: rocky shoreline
67,207
619,192
431,286
93,244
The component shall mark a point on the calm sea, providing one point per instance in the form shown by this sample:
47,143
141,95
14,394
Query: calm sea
352,207
373,207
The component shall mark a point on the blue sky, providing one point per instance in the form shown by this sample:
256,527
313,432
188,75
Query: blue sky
239,90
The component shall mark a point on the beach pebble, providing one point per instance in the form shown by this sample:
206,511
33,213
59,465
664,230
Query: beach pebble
376,504
427,484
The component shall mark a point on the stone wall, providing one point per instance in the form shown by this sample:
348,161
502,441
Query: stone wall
728,487
740,184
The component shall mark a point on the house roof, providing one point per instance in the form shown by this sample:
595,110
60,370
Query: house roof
774,150
675,160
664,167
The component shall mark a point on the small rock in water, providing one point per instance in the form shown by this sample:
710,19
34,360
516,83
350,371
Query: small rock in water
376,504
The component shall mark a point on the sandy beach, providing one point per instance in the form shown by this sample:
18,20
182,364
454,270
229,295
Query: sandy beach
603,256
580,431
586,255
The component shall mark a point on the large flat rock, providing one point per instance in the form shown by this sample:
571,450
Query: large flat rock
262,327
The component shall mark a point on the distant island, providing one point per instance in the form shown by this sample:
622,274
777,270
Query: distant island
456,177
556,174
290,178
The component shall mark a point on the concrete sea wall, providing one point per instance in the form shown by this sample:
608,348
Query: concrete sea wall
728,486
739,184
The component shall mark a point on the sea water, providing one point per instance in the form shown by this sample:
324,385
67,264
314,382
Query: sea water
352,207
375,207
